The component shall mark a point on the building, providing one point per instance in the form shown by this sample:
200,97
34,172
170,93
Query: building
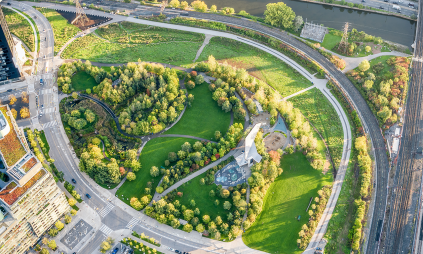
250,154
30,200
9,60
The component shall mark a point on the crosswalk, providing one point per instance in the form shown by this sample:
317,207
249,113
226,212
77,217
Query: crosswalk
106,230
106,210
50,124
46,91
132,223
47,110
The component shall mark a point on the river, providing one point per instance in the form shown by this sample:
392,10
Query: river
390,28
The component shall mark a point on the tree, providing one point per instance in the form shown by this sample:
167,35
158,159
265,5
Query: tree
367,48
199,6
106,245
14,113
187,228
12,99
192,203
174,3
24,112
88,91
217,135
131,176
227,205
188,215
216,202
44,251
211,193
298,22
75,95
68,219
154,171
53,232
364,65
279,15
59,225
135,203
206,219
190,85
218,220
384,114
200,228
184,5
172,156
213,9
186,147
73,212
52,245
224,193
199,80
72,201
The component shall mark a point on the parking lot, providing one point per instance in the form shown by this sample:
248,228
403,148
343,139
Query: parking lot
76,234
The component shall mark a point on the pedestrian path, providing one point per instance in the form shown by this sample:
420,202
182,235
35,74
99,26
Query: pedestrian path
47,110
50,124
106,210
299,92
132,223
106,230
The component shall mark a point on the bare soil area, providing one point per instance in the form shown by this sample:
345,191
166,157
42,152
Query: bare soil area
93,20
274,141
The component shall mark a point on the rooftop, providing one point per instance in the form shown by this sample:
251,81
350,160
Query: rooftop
11,193
29,164
10,146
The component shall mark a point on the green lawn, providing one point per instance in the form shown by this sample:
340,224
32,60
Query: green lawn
276,228
82,80
106,68
200,193
62,29
153,154
258,63
314,105
20,27
203,118
380,59
330,41
95,49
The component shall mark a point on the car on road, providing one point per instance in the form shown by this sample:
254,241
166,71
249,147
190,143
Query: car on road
35,17
381,7
42,105
386,0
171,249
73,180
8,3
9,90
177,251
88,196
363,1
115,251
394,2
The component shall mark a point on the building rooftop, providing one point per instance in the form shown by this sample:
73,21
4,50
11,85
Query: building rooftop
10,146
10,194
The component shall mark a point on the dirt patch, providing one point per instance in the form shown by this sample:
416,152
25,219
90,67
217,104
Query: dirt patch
274,141
263,118
248,93
326,165
93,20
376,49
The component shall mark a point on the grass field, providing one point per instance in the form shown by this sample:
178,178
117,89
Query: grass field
82,81
258,63
276,228
314,105
92,48
63,31
20,27
330,41
203,118
200,193
153,154
132,33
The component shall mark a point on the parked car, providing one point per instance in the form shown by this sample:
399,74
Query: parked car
88,196
394,2
115,251
177,251
8,3
381,7
73,180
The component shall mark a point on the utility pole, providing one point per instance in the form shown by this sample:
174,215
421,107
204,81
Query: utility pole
163,6
343,45
81,17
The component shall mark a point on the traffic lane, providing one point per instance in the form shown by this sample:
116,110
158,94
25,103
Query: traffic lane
117,218
94,244
167,239
64,162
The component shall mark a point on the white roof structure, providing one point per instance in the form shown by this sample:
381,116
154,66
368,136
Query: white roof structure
259,108
397,131
395,145
250,154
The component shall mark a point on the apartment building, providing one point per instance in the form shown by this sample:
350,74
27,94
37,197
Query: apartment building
30,200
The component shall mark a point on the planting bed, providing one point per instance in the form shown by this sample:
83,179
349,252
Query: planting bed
93,19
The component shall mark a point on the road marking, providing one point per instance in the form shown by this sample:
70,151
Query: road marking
50,124
134,221
46,91
106,230
106,210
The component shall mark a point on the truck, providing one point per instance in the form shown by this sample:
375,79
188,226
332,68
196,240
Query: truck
396,7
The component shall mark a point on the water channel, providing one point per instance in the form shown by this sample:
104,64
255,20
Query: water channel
390,28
